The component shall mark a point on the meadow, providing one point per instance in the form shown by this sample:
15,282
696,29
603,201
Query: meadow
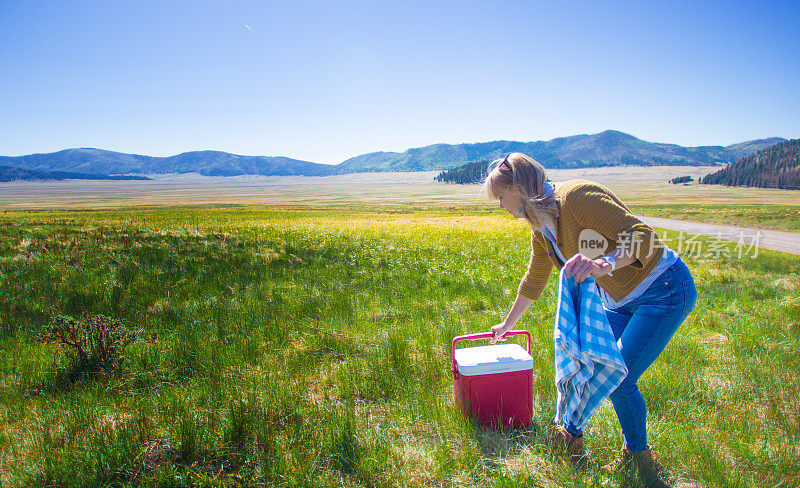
645,189
310,346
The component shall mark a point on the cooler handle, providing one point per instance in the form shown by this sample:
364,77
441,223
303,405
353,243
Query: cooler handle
486,335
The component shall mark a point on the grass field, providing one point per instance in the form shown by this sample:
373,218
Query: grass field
645,189
300,347
759,216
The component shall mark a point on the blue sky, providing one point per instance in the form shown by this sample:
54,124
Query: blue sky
325,81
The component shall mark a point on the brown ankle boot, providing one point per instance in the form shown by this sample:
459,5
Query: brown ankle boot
644,461
647,464
562,440
620,462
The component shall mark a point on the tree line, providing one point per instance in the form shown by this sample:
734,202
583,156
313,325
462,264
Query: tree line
777,166
473,172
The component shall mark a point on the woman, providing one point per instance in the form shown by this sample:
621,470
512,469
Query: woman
646,298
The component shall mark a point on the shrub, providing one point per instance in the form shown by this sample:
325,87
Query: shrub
98,340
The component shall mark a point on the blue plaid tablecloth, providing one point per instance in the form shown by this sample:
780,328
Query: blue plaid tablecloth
589,366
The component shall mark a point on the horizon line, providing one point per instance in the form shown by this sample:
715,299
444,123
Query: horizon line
375,152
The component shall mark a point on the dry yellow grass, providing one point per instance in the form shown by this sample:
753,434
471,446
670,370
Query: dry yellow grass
632,184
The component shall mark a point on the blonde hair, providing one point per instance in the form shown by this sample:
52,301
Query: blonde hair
526,177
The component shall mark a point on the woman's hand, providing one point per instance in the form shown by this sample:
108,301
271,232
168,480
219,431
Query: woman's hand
500,330
581,267
520,305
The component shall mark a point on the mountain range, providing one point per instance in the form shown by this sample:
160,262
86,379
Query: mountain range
608,148
209,163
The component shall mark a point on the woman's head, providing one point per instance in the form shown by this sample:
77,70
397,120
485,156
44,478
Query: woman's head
518,181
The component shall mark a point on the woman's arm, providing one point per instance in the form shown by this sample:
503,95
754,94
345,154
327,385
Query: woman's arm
521,304
596,207
538,272
529,289
581,266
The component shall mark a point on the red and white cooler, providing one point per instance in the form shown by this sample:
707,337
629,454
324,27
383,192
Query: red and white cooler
494,383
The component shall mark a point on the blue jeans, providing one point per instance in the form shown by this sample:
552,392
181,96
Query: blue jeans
643,327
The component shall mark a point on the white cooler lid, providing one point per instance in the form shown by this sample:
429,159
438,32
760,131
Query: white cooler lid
499,358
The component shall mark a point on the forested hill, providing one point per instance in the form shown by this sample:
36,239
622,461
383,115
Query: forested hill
468,173
608,148
209,163
8,173
777,166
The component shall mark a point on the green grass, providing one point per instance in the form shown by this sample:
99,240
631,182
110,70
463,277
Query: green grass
292,347
761,216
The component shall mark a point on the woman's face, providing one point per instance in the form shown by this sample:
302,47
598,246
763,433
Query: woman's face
511,201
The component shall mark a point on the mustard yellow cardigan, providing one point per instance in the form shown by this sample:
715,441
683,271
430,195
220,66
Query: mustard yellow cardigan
583,204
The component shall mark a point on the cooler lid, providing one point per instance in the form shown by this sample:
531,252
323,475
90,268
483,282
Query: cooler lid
499,358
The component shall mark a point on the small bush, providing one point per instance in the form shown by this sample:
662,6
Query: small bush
98,340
